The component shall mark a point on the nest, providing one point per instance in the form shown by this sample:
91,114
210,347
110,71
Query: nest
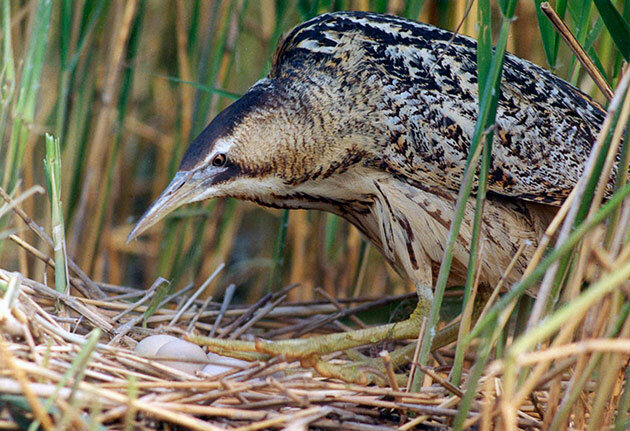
69,362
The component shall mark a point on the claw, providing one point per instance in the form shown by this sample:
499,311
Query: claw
359,373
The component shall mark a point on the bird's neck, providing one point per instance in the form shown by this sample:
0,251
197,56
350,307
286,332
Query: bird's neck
380,206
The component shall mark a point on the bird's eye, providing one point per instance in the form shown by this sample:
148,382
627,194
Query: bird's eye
219,160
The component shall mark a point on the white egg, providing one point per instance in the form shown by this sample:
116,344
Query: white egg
221,364
150,345
193,356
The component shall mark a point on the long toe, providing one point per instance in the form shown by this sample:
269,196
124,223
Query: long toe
238,349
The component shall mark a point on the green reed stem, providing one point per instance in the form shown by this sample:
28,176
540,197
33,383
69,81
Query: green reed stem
561,250
7,71
24,113
52,166
279,253
487,112
484,63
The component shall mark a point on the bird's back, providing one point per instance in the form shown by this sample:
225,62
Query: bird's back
429,102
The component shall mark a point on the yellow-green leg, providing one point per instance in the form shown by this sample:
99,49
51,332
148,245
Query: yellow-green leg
321,345
309,350
372,370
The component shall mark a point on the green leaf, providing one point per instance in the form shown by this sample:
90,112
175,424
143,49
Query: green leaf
163,289
617,26
96,11
593,34
20,409
413,8
598,64
205,88
307,9
379,6
484,43
331,230
548,35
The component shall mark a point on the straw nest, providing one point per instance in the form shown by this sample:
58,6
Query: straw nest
69,362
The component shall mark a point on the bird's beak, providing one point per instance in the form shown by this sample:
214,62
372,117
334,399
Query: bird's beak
176,194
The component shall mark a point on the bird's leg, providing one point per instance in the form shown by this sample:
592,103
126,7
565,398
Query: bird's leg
372,370
309,350
360,370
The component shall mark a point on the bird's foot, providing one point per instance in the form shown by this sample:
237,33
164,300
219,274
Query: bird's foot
307,348
310,350
364,370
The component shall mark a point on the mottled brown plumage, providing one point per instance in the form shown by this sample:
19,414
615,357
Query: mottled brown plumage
370,117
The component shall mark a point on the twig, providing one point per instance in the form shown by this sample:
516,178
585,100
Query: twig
577,49
389,369
259,315
445,383
92,288
48,261
195,295
197,315
229,292
70,301
251,310
148,295
416,354
311,326
336,303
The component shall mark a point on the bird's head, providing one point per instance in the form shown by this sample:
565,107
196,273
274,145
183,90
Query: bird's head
309,120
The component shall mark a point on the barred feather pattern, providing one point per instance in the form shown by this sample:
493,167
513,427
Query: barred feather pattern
429,94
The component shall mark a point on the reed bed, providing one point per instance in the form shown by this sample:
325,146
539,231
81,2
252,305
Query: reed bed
122,87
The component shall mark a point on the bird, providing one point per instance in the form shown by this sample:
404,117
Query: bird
370,117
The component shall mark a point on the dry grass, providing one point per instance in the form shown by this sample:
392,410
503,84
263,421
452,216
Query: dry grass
49,351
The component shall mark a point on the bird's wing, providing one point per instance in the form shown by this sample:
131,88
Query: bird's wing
428,104
544,129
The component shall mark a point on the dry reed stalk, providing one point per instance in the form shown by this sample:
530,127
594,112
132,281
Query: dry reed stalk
92,183
257,399
577,49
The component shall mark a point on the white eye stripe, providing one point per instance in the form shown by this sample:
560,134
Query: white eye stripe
221,146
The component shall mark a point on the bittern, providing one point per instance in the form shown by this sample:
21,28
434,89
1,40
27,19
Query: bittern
370,117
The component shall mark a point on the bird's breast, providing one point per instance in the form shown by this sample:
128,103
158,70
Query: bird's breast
411,226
